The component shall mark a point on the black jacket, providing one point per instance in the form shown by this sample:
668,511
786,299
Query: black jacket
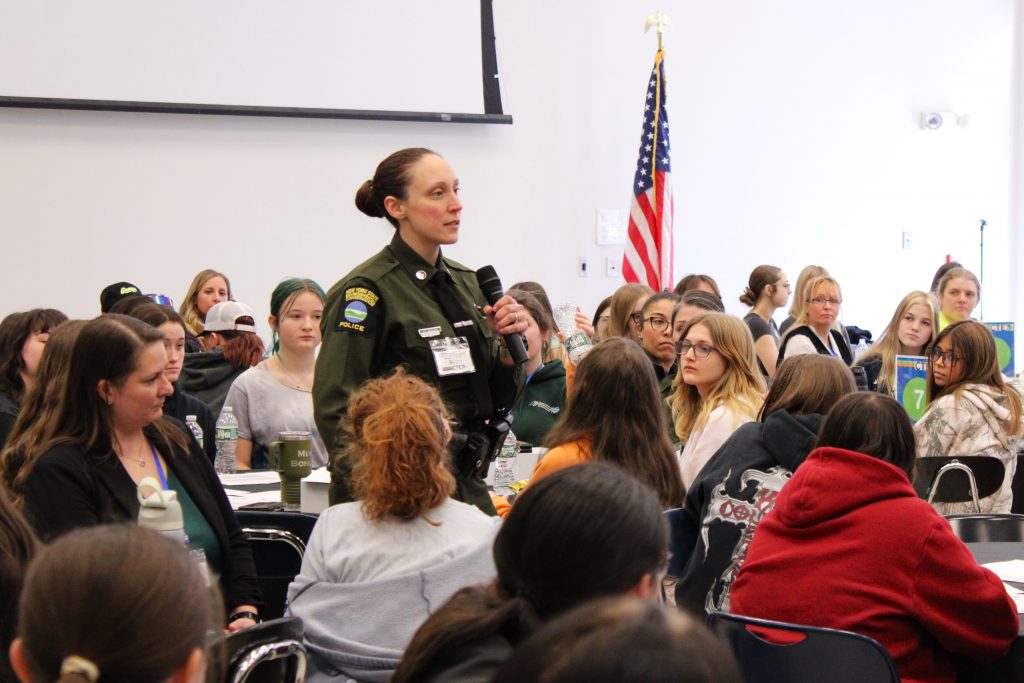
66,490
8,414
180,405
838,340
730,497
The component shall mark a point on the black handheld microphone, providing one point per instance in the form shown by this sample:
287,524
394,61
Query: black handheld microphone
490,285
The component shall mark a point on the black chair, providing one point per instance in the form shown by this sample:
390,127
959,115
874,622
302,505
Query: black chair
821,655
278,542
990,528
958,479
271,652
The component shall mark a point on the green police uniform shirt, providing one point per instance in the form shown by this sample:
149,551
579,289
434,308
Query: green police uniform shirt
383,314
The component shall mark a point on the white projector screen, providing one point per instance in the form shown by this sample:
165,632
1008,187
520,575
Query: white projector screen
388,59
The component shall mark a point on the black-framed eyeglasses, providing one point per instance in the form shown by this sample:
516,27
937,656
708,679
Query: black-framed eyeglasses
821,301
658,323
699,350
637,318
947,357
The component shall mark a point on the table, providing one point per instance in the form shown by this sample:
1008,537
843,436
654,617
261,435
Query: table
244,488
1011,667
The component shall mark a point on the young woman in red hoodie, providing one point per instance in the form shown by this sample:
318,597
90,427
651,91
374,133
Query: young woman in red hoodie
850,545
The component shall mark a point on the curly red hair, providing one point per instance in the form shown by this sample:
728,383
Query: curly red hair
399,453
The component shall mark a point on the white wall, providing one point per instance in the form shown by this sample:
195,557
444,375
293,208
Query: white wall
794,128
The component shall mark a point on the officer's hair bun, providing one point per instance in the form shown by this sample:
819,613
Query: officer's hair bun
366,202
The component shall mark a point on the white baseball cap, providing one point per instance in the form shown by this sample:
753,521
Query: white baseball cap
230,316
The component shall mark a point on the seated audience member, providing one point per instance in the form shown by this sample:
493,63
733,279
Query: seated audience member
693,303
738,486
376,568
698,282
614,415
909,333
23,337
556,344
36,421
959,293
208,288
942,270
718,387
817,328
622,639
767,291
114,293
851,546
543,397
971,410
108,434
656,338
601,317
233,347
796,308
18,546
276,394
114,603
625,309
179,404
561,545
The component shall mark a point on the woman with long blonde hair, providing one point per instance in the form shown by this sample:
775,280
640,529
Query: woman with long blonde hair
913,325
209,287
626,307
971,408
378,566
718,388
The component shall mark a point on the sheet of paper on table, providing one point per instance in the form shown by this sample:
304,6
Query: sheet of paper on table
1011,570
245,498
1017,595
241,479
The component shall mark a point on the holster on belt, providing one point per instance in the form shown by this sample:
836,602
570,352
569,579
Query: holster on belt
473,451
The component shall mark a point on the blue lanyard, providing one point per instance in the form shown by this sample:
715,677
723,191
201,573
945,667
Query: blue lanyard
159,468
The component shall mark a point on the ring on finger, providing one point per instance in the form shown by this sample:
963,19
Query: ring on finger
516,318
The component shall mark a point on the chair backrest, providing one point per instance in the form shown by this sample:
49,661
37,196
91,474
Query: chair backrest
278,542
958,479
271,652
819,654
676,560
991,528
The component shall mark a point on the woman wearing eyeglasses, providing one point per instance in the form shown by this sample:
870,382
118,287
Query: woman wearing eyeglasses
815,331
626,308
971,410
718,388
767,291
656,337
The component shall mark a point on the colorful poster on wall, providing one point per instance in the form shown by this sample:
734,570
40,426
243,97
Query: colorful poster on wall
1003,332
912,384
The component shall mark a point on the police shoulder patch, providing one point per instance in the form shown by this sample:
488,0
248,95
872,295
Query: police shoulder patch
358,310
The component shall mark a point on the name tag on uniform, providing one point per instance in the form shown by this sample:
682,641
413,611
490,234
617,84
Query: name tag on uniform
427,332
452,356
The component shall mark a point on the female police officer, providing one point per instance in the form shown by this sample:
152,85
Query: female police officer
411,306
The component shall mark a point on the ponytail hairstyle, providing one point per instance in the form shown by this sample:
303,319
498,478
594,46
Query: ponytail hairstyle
583,532
398,447
37,419
132,622
760,277
282,298
242,350
391,179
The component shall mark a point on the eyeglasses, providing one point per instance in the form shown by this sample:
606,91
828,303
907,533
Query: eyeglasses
637,318
821,301
161,299
658,323
699,350
947,357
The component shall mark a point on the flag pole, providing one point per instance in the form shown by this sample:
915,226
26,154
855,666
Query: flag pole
659,20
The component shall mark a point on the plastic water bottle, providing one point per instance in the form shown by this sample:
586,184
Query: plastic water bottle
227,439
577,343
193,426
862,347
506,466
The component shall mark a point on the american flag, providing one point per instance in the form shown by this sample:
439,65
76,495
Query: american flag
648,255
